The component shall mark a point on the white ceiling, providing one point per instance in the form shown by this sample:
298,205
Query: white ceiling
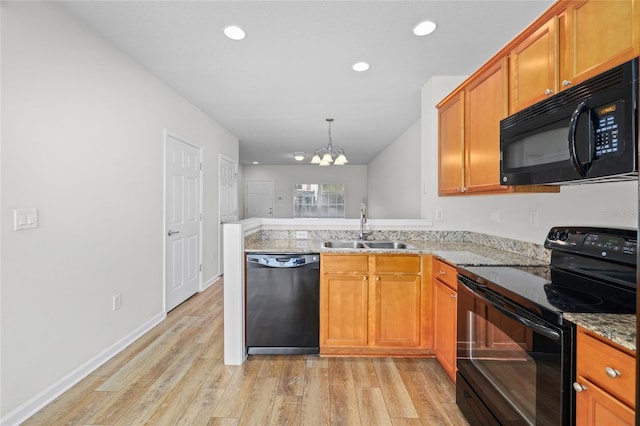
275,88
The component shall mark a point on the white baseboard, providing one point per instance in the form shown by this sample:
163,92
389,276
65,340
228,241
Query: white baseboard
32,406
210,282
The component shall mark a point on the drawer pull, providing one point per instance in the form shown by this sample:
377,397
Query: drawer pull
612,372
578,387
442,273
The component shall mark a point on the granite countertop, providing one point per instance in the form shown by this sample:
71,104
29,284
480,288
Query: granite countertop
459,253
617,328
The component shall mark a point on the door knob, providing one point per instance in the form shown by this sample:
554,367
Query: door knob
170,233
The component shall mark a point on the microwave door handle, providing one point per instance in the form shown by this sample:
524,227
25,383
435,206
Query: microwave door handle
573,129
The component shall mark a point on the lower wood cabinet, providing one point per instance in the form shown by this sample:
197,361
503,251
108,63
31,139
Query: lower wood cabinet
605,382
445,302
373,304
445,327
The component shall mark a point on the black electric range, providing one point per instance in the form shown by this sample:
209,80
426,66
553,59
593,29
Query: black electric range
511,331
592,270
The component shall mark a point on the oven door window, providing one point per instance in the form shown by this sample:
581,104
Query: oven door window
516,368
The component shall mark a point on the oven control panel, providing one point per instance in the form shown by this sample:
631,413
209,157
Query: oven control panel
613,243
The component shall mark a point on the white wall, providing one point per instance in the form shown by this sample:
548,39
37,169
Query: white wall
354,177
394,179
82,141
603,204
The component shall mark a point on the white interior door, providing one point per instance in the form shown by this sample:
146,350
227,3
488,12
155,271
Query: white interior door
259,199
182,221
228,200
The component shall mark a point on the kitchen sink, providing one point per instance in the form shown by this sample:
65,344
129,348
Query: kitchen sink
343,244
389,245
381,245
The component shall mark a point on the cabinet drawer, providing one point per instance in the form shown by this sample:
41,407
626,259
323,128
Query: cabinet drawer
400,264
445,273
344,263
595,357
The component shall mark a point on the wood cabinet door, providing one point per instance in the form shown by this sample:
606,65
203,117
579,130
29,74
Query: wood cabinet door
599,35
445,329
532,68
395,304
451,146
595,407
486,105
344,310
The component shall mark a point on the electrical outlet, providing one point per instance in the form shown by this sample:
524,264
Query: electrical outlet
302,235
439,214
534,219
116,302
494,216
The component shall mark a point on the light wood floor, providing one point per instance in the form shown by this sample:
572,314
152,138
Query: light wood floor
175,375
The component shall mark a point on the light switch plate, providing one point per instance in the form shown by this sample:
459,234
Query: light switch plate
25,219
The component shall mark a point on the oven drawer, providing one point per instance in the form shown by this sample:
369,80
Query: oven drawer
445,273
607,366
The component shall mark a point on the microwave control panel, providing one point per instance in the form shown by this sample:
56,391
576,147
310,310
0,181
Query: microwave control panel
608,129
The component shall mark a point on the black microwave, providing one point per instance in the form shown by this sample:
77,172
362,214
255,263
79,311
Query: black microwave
588,133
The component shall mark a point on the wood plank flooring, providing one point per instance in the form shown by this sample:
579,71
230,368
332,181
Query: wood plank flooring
175,375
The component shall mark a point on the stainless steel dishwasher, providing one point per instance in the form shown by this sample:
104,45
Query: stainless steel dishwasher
282,303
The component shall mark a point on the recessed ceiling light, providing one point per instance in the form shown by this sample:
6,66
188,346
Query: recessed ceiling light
424,28
360,66
255,162
234,32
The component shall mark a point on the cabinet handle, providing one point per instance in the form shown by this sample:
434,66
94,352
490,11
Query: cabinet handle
453,296
566,83
377,278
442,273
364,278
548,91
612,372
578,387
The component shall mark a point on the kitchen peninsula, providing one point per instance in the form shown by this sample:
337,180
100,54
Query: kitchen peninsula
306,236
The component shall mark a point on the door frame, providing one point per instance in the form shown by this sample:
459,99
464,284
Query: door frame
220,235
168,133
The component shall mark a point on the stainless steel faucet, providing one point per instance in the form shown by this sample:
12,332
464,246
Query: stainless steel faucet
363,220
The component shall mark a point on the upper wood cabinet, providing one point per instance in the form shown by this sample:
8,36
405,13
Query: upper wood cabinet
533,67
485,106
596,36
451,145
580,40
572,41
469,136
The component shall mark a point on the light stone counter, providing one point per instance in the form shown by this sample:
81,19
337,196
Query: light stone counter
458,253
619,328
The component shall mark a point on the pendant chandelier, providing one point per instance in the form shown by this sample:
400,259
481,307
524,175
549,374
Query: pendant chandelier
329,154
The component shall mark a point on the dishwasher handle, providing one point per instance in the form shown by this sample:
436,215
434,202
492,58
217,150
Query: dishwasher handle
282,260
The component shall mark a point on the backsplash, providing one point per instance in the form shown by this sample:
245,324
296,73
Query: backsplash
523,248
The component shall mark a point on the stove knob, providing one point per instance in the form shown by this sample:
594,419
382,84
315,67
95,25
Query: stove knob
553,235
564,236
